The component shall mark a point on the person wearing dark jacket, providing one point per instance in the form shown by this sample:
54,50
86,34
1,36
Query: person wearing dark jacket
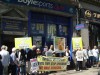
30,55
1,66
22,61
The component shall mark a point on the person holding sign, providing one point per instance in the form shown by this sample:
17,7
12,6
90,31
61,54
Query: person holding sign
79,59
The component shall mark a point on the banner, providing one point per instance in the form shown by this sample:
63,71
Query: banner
59,44
22,43
52,63
34,65
77,43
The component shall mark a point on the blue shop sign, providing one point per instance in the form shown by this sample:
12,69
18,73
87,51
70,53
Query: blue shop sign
44,4
79,26
11,25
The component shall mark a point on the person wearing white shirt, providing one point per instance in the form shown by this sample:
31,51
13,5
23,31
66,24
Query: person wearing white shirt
5,59
67,53
90,53
96,55
79,59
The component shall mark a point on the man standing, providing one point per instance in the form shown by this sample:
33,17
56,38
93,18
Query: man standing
5,59
96,55
86,57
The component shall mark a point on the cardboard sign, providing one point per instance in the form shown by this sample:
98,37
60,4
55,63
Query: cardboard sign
22,43
34,65
59,44
77,43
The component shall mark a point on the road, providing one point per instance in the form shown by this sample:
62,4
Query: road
90,71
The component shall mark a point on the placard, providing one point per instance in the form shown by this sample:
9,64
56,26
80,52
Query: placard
37,40
77,43
59,44
22,43
34,65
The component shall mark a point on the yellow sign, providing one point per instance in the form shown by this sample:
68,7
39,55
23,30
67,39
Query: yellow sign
77,43
22,43
52,63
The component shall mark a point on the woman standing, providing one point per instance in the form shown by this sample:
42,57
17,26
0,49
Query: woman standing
79,59
67,53
22,61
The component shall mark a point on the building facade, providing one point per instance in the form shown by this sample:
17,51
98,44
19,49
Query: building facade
36,18
89,15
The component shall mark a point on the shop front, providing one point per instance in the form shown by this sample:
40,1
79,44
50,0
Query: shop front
92,23
47,19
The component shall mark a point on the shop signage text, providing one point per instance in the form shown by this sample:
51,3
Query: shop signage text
43,4
91,14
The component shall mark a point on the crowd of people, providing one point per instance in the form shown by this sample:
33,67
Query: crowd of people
86,58
18,61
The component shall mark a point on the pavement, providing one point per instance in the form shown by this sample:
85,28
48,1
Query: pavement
90,71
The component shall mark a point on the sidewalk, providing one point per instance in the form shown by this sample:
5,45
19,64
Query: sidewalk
90,71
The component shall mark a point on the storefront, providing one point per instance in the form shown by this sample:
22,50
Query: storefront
47,19
92,24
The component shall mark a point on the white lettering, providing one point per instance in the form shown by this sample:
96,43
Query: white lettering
20,0
37,3
29,2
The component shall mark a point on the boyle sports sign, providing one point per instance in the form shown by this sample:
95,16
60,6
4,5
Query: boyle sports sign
43,4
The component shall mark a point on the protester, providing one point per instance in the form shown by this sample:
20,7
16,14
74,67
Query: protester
30,55
5,59
45,50
13,62
22,62
28,64
1,66
96,55
90,53
67,53
79,59
50,51
86,57
38,51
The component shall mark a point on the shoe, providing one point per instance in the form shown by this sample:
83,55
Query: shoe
80,70
75,70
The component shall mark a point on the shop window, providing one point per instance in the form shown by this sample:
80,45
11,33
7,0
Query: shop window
51,31
37,28
63,30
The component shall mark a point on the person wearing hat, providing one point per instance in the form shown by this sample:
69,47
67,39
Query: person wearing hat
13,61
5,59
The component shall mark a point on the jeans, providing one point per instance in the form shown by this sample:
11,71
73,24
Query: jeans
91,60
23,70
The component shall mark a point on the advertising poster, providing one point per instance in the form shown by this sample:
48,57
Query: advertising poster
37,28
52,63
37,40
77,43
59,44
34,65
22,43
51,32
